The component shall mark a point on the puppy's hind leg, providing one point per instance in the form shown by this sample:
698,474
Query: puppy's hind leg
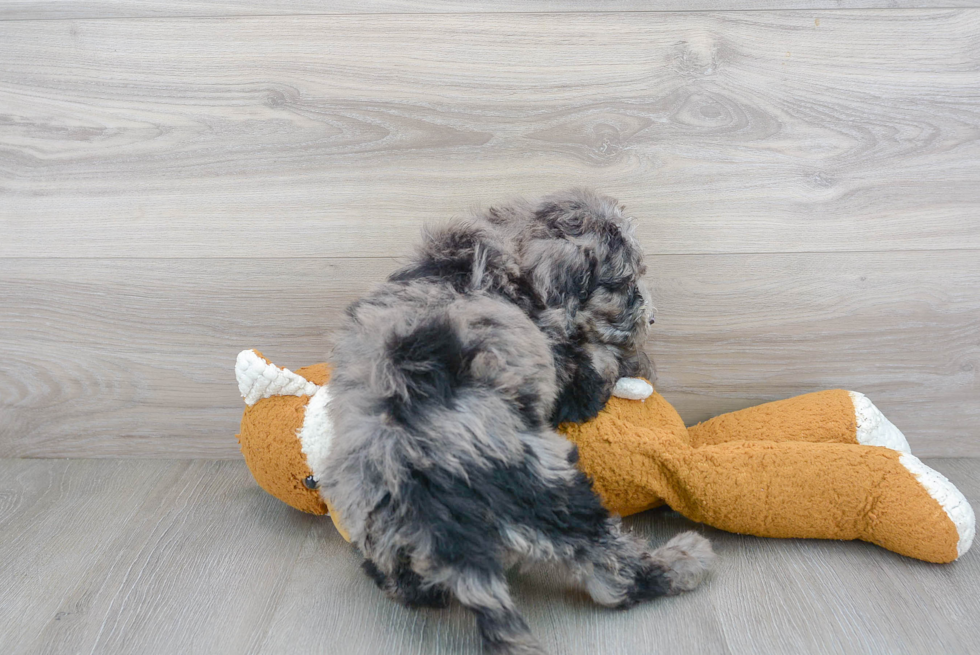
621,571
618,569
503,629
406,586
687,559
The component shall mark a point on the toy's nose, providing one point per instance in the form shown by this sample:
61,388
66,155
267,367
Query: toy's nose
652,319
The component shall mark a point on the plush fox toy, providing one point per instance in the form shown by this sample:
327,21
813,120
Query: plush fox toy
825,465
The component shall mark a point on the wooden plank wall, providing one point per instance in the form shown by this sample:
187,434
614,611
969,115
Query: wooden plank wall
182,180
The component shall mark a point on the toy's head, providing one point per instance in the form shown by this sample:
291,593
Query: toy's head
285,433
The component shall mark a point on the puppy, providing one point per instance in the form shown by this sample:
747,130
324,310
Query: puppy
448,381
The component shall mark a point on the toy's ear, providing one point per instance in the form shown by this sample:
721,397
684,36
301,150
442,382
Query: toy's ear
259,378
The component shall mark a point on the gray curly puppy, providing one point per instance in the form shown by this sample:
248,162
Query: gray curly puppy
448,381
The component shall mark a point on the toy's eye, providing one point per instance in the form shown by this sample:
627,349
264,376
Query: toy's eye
310,482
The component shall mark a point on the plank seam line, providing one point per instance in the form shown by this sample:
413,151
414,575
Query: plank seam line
504,13
404,257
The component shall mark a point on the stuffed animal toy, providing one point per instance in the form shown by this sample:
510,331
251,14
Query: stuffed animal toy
825,465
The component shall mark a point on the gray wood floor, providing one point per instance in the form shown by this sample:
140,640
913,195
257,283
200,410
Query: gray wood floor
117,556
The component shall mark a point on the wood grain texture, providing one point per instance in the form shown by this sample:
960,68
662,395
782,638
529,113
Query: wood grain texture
339,135
162,557
75,9
169,556
903,328
134,358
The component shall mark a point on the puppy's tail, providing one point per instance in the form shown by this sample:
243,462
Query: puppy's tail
685,561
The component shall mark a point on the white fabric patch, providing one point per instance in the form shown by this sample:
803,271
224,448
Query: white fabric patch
316,435
258,379
949,498
873,429
632,389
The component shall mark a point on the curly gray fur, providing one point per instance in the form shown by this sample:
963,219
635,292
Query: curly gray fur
448,381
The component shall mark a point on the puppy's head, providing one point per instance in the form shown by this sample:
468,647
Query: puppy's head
586,265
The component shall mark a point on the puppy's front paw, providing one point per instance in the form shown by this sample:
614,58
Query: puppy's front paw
632,389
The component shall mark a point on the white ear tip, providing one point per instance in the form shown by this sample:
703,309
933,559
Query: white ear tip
243,363
257,379
632,389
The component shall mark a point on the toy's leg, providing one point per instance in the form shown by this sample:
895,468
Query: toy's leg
823,491
835,416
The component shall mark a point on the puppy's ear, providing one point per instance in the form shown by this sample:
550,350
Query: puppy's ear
561,272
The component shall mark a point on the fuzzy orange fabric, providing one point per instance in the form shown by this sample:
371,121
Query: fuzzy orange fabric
791,468
272,450
613,450
613,437
820,417
750,478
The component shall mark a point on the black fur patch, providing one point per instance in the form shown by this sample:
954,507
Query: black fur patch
463,517
434,364
529,406
613,236
405,586
576,276
499,628
525,297
563,219
588,278
376,574
448,258
650,582
585,393
486,322
633,297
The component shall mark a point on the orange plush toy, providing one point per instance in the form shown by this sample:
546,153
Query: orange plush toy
825,465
